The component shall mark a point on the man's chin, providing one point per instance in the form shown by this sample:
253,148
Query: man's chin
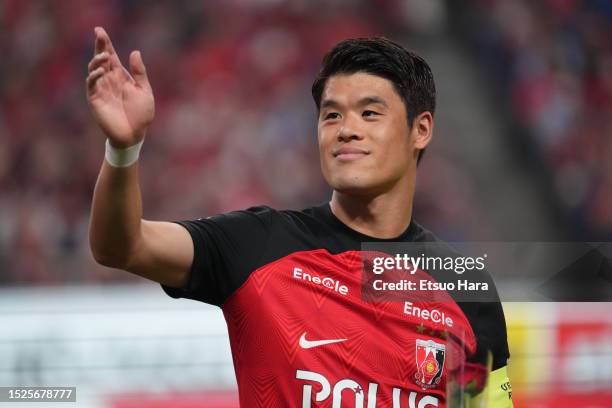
354,188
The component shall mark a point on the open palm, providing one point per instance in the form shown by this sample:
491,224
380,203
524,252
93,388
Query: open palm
122,102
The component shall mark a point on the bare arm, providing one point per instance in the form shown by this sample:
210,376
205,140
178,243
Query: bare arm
123,106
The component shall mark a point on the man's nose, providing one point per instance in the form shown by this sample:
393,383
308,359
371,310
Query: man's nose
348,131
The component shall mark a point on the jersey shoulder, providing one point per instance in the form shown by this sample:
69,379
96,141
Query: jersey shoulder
230,246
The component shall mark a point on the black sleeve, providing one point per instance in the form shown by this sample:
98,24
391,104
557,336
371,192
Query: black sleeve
492,332
489,325
227,249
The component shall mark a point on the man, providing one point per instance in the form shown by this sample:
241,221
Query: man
289,282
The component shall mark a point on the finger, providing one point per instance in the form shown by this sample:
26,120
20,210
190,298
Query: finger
105,41
99,43
93,77
107,45
98,60
138,70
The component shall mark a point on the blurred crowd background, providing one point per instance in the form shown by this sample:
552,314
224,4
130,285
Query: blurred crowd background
551,62
522,151
235,123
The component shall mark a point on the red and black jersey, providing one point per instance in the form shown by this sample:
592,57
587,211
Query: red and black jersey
301,333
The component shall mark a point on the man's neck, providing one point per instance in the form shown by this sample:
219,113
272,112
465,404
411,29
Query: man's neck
385,216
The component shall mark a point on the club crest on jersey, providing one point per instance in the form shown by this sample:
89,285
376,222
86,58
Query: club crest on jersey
429,363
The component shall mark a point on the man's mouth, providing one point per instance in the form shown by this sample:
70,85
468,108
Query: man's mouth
350,153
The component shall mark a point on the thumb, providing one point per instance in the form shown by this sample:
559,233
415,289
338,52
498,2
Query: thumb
138,70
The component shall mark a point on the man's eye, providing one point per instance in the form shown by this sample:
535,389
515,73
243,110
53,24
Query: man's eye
331,115
369,113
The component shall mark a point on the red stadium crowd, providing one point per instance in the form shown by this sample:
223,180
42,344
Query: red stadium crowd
235,123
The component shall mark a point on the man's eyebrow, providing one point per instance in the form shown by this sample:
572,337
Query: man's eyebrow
329,103
366,100
369,100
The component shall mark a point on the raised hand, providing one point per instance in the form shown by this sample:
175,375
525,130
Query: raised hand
122,102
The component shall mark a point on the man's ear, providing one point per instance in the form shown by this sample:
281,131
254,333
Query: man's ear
422,130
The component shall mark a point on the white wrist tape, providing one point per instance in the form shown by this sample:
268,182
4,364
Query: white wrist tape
118,157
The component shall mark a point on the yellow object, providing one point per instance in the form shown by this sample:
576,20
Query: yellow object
497,393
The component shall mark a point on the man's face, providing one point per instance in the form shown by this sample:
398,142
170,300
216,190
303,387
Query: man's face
365,144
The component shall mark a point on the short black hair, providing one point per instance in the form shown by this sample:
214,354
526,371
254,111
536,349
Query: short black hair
409,73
